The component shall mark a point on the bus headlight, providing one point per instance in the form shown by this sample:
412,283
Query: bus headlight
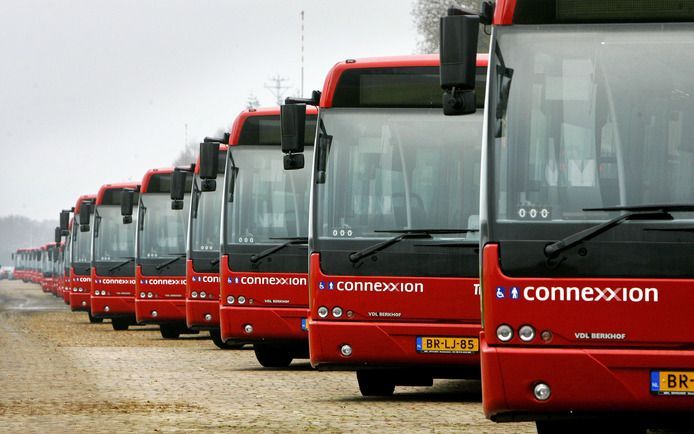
504,333
230,299
194,294
203,294
526,333
323,312
241,299
337,311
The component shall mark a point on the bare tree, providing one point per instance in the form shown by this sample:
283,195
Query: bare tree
188,155
252,101
426,14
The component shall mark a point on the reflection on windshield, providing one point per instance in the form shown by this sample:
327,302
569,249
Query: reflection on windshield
82,243
609,122
205,230
399,169
114,240
163,230
269,202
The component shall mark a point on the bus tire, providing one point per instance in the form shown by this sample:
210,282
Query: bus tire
270,356
216,336
170,331
93,319
374,383
120,323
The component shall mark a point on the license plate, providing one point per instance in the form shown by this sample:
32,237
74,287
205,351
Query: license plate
672,382
447,345
304,326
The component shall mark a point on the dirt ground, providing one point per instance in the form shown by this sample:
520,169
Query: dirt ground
58,373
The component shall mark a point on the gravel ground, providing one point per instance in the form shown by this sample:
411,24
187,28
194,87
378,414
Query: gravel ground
58,373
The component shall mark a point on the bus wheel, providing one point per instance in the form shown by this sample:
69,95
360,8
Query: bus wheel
601,426
120,323
216,336
170,331
270,356
374,383
94,320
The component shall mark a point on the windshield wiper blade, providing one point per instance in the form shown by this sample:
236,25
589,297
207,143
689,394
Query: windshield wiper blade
171,261
406,234
427,231
673,229
271,250
122,264
641,212
673,207
471,244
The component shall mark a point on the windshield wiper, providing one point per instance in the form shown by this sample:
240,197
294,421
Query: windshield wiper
633,212
122,264
404,234
171,261
673,229
290,241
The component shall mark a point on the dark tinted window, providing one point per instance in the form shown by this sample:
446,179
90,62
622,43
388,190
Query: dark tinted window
265,130
161,183
395,87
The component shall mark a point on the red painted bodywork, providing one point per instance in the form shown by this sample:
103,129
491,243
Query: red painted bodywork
277,322
585,376
80,300
198,309
448,307
168,294
275,309
120,298
595,375
168,298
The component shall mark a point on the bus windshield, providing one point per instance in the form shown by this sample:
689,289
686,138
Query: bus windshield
82,243
269,203
608,123
205,217
399,169
162,231
113,240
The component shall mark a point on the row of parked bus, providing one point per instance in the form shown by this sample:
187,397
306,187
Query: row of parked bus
361,227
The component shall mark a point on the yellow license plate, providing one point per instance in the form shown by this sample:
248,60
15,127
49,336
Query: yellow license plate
447,345
672,382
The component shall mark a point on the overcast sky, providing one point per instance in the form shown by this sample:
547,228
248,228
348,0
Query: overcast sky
99,91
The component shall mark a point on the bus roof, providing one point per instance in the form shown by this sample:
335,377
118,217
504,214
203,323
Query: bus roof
333,77
237,126
115,186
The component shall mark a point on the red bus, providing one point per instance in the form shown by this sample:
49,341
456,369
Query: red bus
46,266
113,258
66,288
264,234
160,266
21,267
587,203
202,269
81,254
35,265
393,238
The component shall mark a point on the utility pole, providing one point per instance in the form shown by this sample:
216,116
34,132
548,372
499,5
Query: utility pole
277,88
302,54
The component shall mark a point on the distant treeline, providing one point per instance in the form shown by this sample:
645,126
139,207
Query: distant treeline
19,232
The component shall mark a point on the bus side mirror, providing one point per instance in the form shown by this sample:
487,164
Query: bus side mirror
126,205
85,211
64,220
178,189
458,55
293,127
58,234
209,165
